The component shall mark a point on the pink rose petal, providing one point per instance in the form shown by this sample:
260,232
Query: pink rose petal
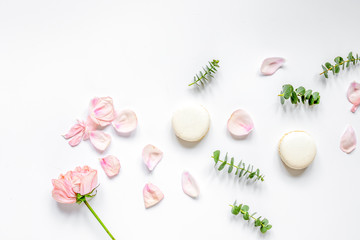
189,185
353,95
76,129
152,195
125,122
240,124
271,65
111,165
151,156
76,139
102,111
348,140
100,140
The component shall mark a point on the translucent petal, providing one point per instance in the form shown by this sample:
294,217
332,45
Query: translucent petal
271,65
353,95
100,140
111,165
152,195
348,140
189,185
125,122
240,123
151,156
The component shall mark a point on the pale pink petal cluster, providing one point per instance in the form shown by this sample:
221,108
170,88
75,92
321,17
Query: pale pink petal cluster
79,132
101,114
125,122
353,95
189,185
152,195
151,156
271,65
240,124
82,180
102,111
111,165
348,140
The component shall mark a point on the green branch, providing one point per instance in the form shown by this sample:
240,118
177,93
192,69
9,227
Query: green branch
297,94
339,61
241,169
244,211
207,74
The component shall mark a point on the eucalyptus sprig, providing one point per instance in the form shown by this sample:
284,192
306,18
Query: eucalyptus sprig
241,169
339,61
297,94
207,74
244,211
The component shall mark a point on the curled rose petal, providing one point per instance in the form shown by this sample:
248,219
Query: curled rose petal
76,139
348,140
76,129
240,124
100,140
353,95
151,156
125,122
189,185
271,65
152,195
111,165
76,133
102,111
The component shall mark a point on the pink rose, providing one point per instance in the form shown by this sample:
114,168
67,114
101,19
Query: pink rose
82,180
102,111
75,187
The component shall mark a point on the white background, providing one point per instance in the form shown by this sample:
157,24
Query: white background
57,55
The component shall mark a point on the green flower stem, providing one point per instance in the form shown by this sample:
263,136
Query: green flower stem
97,217
339,64
243,212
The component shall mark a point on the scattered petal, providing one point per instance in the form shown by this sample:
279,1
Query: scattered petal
348,140
76,129
125,122
76,133
151,156
111,165
271,65
189,185
102,111
240,124
353,95
100,140
76,139
152,195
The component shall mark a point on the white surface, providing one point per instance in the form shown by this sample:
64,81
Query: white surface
297,149
56,55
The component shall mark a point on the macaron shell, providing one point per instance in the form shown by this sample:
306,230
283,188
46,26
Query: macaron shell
191,123
297,149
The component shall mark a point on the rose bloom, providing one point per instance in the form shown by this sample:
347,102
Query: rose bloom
102,111
82,180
